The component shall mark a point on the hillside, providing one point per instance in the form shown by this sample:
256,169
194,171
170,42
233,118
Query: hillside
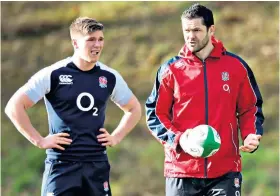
139,36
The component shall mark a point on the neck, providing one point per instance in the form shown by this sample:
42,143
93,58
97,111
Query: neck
205,52
82,64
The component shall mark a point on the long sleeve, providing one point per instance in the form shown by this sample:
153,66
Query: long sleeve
249,105
159,108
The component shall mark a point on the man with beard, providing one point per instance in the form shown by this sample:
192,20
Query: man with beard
76,90
204,84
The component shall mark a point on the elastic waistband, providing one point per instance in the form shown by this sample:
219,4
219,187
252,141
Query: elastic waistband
102,157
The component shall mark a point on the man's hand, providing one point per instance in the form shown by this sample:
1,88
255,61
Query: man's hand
250,143
106,138
55,141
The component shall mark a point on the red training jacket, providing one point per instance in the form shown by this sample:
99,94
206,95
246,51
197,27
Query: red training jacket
220,91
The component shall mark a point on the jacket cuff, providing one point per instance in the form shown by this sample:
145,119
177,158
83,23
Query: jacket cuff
244,134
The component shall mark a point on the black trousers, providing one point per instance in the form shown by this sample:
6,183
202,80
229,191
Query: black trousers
226,185
65,178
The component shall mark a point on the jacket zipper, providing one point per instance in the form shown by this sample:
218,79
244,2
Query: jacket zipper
206,111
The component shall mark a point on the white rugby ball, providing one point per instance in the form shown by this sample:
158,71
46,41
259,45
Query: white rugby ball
201,141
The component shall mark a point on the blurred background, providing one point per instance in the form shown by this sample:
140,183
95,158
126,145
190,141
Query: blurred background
139,36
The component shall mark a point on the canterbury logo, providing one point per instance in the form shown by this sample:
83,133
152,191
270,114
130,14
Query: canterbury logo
65,79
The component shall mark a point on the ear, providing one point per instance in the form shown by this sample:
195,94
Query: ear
212,30
75,43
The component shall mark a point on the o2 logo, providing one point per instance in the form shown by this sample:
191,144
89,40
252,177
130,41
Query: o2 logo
91,105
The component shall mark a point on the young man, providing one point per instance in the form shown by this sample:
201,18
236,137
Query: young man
76,91
204,84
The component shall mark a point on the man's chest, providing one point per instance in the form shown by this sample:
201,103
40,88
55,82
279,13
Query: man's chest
82,90
211,78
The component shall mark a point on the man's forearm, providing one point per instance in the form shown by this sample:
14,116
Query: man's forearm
128,121
20,119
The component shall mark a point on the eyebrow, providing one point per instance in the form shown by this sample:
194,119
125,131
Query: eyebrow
101,37
195,28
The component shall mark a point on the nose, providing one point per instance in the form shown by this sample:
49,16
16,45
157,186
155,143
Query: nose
191,34
97,44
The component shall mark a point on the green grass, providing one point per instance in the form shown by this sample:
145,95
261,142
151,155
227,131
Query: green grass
139,36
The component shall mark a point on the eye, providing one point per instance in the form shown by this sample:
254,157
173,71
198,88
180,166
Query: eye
91,39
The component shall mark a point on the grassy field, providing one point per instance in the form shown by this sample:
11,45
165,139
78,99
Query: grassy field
139,36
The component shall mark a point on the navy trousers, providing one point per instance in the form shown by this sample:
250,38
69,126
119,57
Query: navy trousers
226,185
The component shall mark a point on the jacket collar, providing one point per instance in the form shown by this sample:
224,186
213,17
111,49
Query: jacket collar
217,51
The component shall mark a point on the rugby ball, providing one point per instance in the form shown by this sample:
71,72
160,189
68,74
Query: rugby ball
201,141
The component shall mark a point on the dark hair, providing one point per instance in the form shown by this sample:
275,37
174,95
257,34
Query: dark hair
199,11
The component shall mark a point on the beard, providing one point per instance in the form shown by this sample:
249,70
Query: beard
202,44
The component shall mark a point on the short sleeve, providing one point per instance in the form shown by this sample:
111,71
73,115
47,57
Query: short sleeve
121,93
38,85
